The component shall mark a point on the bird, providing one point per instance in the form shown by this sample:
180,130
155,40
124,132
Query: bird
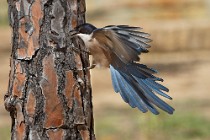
118,47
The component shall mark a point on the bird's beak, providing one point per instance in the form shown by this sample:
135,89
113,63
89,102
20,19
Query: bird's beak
73,33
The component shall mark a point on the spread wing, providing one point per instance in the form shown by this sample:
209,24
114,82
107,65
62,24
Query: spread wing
135,82
126,42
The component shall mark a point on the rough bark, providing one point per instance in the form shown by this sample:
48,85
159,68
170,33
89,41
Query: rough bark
48,97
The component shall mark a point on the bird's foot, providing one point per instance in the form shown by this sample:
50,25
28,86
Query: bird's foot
87,68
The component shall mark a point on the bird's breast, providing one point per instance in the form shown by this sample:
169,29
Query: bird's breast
100,56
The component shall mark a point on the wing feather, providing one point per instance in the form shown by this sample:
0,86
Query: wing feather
127,42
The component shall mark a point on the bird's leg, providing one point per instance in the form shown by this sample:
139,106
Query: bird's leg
93,65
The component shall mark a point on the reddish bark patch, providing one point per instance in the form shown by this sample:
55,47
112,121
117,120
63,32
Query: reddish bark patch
20,131
74,23
31,104
56,134
85,134
19,81
36,19
53,108
18,68
69,88
20,117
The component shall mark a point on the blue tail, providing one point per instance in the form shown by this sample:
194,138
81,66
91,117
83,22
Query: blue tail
138,87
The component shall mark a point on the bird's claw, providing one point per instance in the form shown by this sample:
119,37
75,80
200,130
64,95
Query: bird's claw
88,68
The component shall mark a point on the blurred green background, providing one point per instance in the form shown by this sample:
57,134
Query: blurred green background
180,51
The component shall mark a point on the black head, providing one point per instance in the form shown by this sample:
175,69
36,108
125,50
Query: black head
85,28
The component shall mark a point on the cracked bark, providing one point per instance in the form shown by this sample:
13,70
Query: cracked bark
48,96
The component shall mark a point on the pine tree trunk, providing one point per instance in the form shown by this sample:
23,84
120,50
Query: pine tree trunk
49,96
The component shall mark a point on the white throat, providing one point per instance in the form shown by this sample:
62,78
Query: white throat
85,37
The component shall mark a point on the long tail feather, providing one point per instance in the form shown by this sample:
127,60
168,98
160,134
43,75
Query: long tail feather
138,87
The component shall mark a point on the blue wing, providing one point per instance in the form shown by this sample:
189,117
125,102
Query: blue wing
138,87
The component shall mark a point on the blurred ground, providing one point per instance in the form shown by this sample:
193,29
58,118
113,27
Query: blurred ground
180,52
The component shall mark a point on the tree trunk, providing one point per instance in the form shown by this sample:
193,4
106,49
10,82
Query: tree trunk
49,96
